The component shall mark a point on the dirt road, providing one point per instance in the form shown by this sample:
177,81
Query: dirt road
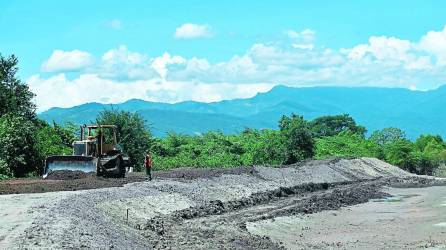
209,209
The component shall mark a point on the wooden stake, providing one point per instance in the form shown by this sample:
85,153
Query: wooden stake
127,216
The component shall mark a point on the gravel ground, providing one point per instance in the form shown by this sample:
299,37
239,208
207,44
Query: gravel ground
411,218
191,209
19,212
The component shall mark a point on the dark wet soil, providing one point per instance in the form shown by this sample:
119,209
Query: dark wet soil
77,180
195,173
51,185
68,175
224,223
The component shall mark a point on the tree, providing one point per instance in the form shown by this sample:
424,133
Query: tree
132,134
402,153
431,153
15,96
53,140
388,136
5,172
333,125
211,149
430,140
262,147
345,144
299,142
271,148
18,154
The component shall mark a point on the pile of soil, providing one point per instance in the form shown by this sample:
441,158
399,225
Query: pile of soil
195,173
77,180
61,182
68,175
331,170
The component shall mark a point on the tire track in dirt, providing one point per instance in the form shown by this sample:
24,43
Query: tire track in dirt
224,223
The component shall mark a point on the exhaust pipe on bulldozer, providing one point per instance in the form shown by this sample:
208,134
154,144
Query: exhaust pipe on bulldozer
86,164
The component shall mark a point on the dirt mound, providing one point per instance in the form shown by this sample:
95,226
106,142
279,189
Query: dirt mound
68,175
195,173
66,182
61,180
320,171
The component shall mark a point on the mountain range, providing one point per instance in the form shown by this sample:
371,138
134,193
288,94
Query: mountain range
415,112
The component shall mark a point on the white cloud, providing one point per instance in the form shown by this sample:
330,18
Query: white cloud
307,35
91,88
420,63
122,74
383,48
115,24
74,60
124,64
123,55
190,30
303,46
435,43
302,40
161,63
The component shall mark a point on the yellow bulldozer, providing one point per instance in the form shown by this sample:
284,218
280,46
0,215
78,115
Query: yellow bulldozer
96,151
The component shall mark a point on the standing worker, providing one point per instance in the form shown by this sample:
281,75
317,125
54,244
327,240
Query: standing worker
148,165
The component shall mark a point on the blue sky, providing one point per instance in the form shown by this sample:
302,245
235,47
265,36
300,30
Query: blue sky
207,50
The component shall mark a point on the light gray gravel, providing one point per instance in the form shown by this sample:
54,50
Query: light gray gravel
412,218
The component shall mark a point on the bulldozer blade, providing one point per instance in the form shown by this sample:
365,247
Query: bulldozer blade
72,163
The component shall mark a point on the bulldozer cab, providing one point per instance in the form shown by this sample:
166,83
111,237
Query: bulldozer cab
100,139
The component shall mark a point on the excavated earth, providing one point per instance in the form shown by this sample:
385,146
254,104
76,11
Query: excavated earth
77,180
237,208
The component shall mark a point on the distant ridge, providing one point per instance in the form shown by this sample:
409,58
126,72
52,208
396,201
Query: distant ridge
416,112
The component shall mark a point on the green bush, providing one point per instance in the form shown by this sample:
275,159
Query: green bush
402,153
17,146
5,171
299,142
345,144
262,147
49,140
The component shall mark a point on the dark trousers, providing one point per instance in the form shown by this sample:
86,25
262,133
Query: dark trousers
149,173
